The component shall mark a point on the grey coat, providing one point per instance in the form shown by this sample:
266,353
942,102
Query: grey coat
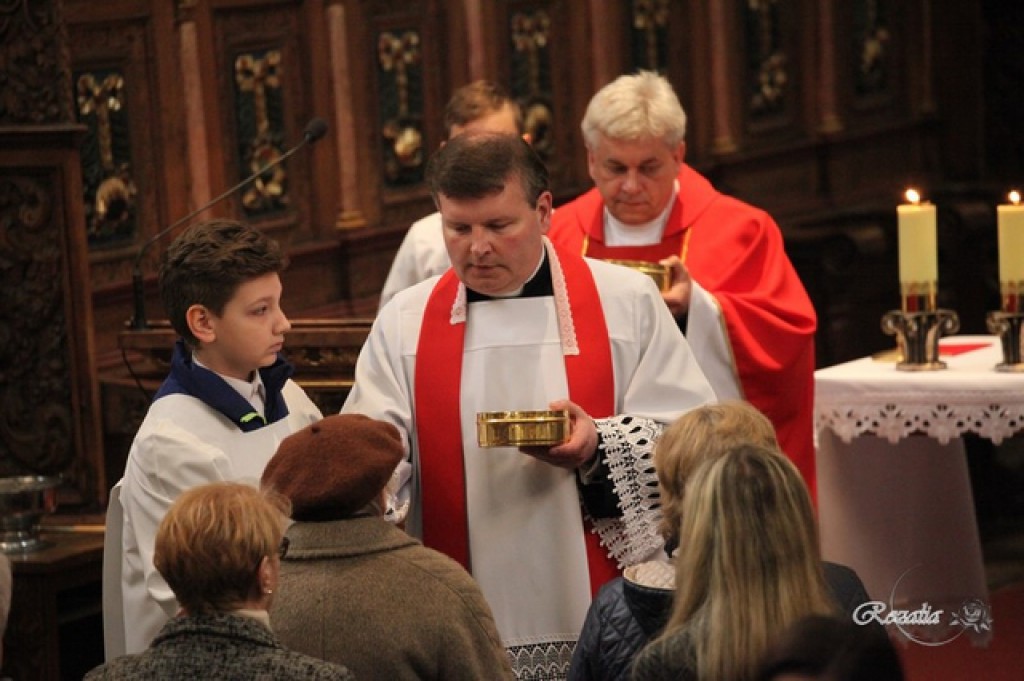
364,593
222,646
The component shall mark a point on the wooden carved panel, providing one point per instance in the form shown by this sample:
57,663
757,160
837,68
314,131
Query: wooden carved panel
126,152
400,103
49,421
37,433
259,117
772,69
541,40
33,64
871,39
110,191
403,45
262,81
650,34
530,62
872,74
48,406
654,45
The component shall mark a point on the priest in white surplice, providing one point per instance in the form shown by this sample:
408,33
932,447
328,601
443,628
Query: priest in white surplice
517,325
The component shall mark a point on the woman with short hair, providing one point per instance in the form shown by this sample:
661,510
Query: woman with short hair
219,548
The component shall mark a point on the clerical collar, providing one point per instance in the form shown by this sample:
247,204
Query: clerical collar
617,233
537,286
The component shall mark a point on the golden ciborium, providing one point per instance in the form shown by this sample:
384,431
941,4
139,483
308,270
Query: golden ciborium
522,428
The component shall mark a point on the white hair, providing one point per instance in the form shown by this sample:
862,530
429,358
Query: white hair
635,106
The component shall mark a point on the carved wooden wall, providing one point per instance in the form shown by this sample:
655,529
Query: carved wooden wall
804,107
50,423
183,100
820,111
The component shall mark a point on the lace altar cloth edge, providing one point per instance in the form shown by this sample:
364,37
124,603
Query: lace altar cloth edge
865,397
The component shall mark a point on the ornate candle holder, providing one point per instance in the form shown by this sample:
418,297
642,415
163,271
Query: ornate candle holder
1007,324
918,327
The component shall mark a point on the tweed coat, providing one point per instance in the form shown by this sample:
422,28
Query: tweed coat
364,593
222,646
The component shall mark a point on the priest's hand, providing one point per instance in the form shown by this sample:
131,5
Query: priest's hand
582,444
677,297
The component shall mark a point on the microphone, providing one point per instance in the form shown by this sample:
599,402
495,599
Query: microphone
314,130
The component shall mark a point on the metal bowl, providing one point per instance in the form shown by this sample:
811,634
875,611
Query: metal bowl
661,274
24,500
522,428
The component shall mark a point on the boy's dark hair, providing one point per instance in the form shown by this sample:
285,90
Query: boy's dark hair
476,100
477,165
207,263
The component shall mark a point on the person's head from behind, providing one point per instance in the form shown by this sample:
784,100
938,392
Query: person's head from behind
492,193
820,648
703,434
219,547
482,106
634,129
748,564
335,468
221,287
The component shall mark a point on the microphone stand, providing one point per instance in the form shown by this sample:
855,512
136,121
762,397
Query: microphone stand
314,130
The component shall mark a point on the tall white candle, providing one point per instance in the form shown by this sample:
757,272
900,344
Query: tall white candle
1011,240
919,259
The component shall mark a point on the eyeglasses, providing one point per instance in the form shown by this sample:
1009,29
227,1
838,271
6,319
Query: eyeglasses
282,550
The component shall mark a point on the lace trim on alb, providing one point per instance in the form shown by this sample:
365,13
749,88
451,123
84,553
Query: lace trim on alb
542,661
566,328
459,306
628,445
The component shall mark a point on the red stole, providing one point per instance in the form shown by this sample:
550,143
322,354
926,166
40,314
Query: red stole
439,424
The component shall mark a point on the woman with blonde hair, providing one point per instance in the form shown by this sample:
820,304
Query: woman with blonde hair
219,548
703,434
630,610
748,568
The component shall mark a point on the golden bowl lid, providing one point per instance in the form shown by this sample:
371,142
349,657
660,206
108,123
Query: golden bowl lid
656,271
520,416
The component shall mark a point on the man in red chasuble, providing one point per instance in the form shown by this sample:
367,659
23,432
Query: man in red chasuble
517,324
734,292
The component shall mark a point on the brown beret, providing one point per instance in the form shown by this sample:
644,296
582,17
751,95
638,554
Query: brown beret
333,468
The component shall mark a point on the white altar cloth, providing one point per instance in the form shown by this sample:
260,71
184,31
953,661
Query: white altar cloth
894,495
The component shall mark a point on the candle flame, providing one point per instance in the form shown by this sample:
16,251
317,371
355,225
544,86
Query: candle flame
913,196
1014,197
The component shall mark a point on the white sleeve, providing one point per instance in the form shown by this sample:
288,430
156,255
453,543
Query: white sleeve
404,269
666,380
709,342
381,391
165,462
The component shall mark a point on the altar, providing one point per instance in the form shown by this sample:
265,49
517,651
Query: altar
894,494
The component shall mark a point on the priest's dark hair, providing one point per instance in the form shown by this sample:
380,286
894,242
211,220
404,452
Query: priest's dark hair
477,165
